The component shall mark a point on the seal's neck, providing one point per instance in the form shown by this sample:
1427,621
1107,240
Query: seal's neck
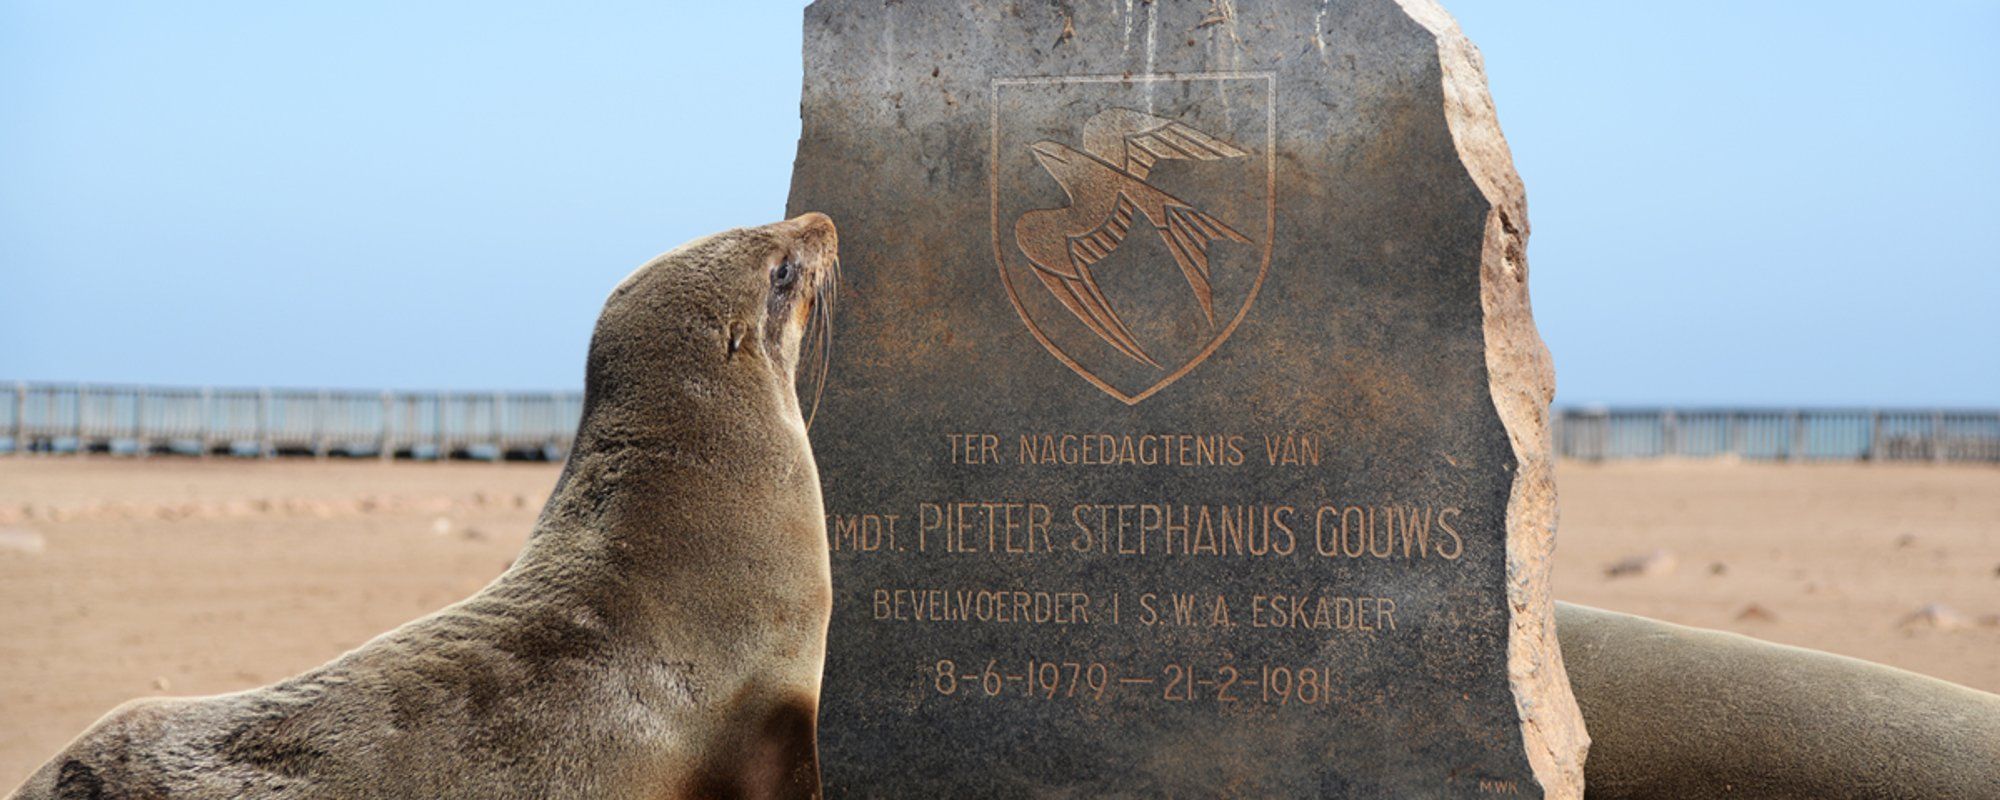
673,478
689,456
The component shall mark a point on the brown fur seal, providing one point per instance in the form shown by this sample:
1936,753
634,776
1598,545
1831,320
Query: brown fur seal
661,635
1689,714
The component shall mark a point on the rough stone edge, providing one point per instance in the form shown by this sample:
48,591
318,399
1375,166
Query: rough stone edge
1522,383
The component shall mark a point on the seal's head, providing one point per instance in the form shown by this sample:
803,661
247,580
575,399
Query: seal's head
724,323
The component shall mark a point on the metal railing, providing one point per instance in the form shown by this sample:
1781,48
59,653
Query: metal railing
145,420
1785,434
86,418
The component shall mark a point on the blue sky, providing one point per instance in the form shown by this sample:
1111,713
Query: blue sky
1732,202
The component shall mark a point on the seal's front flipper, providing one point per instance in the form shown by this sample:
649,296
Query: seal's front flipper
777,760
786,754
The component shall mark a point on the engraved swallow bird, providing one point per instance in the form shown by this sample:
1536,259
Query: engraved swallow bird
1107,189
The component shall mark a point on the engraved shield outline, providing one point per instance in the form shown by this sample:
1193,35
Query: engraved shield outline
1270,80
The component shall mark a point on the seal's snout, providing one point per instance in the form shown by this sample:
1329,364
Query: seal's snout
813,244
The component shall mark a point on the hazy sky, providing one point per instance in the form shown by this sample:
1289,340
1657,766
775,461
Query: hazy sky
1732,202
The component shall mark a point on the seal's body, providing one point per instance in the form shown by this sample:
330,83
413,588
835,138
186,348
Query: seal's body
661,635
1689,714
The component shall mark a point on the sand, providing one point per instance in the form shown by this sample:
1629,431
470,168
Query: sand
122,578
1836,557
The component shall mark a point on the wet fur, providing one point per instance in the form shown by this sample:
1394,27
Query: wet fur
660,636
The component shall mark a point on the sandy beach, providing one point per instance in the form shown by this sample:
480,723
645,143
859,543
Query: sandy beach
122,578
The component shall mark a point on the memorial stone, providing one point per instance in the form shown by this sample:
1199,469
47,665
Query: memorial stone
1186,433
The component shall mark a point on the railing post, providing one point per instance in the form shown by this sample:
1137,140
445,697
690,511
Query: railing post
76,425
409,405
1792,438
207,427
1670,436
499,428
265,445
20,418
143,447
556,432
437,413
320,405
1599,426
1937,436
385,448
1874,435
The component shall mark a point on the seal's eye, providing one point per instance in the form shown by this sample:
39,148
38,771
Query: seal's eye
784,275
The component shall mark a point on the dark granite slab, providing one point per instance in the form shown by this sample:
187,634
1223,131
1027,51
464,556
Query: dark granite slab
1184,435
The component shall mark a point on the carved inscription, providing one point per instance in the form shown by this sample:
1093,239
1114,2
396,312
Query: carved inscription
1375,530
1035,680
1328,529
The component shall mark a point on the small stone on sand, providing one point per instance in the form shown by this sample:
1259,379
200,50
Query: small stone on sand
1756,613
1936,616
1658,562
441,526
21,540
1718,568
